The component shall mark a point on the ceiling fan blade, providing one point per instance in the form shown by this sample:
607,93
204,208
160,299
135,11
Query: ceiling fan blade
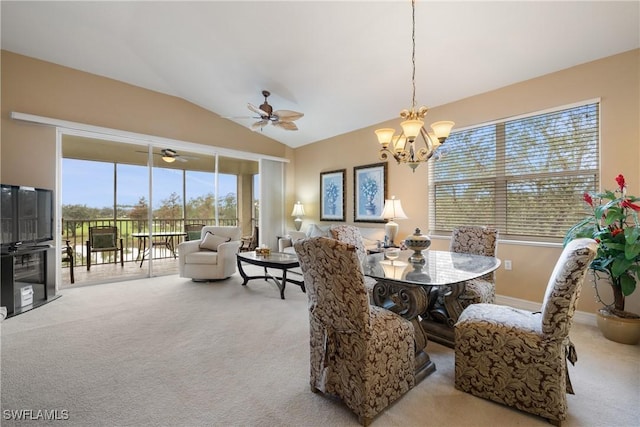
180,159
257,110
288,115
286,125
259,125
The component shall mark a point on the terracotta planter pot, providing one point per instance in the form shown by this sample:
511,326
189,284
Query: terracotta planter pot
619,329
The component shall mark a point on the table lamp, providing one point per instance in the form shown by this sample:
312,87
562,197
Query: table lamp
298,211
392,210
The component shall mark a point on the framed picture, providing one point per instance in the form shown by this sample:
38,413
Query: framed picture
370,190
332,195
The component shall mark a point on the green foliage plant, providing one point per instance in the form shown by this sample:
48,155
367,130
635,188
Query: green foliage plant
613,223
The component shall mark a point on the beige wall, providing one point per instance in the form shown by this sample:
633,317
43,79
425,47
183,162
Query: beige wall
615,80
27,151
45,89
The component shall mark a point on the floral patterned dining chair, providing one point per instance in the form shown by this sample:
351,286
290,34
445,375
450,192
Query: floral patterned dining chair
361,353
475,240
518,358
351,235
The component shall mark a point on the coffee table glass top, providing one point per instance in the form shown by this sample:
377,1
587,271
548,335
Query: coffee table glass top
439,267
272,258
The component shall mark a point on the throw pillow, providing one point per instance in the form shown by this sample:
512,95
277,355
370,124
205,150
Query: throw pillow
315,231
211,241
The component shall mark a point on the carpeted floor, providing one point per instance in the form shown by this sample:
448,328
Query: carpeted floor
171,352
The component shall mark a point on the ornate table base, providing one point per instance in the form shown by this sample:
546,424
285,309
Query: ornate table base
407,301
444,308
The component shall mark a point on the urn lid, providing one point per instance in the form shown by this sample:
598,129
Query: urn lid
417,235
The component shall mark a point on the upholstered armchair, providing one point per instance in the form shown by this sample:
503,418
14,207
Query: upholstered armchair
518,358
212,257
361,353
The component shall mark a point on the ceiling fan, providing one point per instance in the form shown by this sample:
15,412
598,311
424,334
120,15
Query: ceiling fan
280,118
170,156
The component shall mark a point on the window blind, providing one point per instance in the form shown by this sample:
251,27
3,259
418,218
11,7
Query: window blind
525,176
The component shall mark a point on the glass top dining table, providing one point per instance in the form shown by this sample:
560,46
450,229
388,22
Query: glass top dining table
411,286
437,268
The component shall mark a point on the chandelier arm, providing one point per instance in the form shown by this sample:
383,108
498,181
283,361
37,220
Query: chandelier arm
428,142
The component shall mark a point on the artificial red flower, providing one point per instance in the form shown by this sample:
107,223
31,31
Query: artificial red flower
587,198
628,204
616,231
620,181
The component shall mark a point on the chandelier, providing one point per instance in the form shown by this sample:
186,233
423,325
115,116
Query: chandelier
403,146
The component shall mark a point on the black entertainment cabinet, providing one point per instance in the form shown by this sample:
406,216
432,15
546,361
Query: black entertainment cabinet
25,269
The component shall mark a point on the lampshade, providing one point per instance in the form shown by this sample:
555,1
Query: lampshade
169,159
393,209
298,209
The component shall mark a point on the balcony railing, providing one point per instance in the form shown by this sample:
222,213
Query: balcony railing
77,232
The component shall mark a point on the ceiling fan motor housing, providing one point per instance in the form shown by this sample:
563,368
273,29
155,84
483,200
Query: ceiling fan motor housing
265,106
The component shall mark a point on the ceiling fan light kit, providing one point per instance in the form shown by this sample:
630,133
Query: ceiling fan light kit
402,147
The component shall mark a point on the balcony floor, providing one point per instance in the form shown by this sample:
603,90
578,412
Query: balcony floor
103,273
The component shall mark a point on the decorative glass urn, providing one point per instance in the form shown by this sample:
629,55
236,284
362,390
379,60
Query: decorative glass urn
417,242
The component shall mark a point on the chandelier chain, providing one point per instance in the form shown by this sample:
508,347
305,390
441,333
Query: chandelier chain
413,52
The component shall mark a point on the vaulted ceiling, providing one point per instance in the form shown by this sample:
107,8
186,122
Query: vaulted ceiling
345,64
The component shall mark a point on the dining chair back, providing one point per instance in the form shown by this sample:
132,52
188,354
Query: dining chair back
363,354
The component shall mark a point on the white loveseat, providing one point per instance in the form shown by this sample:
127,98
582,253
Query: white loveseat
370,236
216,259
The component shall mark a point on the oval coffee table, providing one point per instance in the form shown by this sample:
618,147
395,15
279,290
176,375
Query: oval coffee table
275,260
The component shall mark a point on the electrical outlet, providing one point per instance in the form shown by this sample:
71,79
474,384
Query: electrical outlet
507,264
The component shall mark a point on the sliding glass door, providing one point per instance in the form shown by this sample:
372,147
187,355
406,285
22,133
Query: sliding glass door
152,195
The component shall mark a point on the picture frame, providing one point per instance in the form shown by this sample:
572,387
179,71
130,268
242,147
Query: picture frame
332,195
369,192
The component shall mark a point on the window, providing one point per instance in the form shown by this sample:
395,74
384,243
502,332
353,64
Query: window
525,176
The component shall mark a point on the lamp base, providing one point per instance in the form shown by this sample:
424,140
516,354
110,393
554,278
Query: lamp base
391,231
298,223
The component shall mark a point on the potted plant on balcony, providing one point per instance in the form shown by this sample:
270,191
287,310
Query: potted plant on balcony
613,223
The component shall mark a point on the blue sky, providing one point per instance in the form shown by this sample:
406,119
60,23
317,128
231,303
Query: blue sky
91,183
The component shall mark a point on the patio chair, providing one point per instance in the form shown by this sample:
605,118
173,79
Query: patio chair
250,243
193,231
67,256
104,239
